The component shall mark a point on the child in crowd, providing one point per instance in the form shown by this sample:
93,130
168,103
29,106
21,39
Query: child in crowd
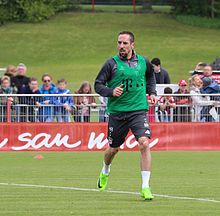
182,113
64,103
166,103
84,103
6,89
30,102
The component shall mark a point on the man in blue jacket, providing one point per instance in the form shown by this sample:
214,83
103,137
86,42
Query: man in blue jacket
46,111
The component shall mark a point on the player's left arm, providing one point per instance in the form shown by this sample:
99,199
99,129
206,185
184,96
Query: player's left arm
151,82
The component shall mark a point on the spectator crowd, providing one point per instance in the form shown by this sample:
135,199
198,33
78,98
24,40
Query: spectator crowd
39,106
36,108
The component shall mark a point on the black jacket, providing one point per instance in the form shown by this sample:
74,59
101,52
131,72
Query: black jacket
30,100
162,77
20,82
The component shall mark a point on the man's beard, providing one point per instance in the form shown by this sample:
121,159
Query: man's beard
123,55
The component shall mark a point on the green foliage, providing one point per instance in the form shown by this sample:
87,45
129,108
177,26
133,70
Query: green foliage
64,5
3,15
33,10
196,7
37,11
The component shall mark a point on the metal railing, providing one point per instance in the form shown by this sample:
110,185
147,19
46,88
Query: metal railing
92,108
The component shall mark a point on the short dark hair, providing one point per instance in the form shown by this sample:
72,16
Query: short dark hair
46,75
156,61
61,81
32,79
208,65
127,33
168,90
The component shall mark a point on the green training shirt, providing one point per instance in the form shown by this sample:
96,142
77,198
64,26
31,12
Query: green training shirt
133,97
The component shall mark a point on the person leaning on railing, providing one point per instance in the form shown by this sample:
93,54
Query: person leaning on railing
6,89
211,87
31,102
46,107
200,101
20,81
64,104
182,113
166,103
84,103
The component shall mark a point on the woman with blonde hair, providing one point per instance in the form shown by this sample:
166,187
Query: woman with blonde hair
200,103
11,71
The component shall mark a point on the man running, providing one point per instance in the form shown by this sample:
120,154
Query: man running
125,79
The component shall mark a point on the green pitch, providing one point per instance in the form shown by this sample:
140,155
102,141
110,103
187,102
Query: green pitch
176,174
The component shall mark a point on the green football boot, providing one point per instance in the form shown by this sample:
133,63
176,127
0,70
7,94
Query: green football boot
102,181
146,194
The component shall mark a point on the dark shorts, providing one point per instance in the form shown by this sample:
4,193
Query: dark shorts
120,123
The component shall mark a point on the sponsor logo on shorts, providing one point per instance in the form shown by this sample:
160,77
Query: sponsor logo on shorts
147,132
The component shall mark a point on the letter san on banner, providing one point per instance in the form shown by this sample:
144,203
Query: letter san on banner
92,137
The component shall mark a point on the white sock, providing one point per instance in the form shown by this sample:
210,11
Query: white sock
106,169
145,178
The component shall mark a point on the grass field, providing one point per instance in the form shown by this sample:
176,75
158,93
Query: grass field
200,21
75,45
178,174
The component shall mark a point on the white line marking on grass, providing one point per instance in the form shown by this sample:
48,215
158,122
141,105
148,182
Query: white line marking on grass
108,191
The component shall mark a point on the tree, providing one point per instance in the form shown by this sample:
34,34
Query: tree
33,10
205,8
214,8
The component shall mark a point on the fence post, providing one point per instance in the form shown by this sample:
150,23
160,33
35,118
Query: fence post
93,6
8,110
134,6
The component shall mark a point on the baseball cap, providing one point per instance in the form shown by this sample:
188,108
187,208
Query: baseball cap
182,83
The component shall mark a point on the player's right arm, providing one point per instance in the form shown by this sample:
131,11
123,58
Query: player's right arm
106,73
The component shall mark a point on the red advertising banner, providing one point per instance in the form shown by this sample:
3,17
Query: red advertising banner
92,137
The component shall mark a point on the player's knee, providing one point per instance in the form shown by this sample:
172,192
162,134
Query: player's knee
143,143
114,150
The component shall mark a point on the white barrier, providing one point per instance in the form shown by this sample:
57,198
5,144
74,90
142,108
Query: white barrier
2,71
61,108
